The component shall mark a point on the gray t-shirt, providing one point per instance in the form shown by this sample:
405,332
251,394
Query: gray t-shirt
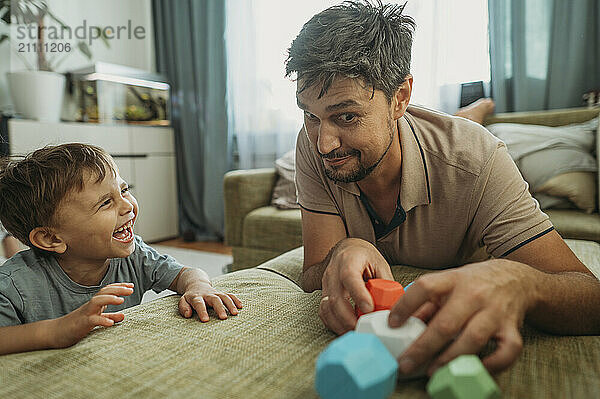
34,287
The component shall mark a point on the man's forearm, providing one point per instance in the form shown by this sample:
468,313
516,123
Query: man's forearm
26,337
312,277
568,304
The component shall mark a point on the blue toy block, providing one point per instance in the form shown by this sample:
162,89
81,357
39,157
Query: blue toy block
356,366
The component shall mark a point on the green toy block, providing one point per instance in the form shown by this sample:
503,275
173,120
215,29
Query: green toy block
463,378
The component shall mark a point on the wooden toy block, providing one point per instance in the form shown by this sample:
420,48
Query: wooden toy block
355,366
463,378
385,293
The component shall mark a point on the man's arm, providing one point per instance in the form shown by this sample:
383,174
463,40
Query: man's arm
320,234
569,296
339,266
472,304
197,292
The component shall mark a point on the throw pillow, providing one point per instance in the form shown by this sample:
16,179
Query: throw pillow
284,193
579,187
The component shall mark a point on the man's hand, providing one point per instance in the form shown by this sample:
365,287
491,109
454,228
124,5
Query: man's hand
465,308
71,328
352,262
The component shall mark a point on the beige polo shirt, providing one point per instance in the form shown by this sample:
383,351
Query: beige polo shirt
460,191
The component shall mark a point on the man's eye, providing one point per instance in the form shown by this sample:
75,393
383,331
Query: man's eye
310,116
347,117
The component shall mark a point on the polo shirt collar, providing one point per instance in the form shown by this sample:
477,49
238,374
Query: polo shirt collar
414,185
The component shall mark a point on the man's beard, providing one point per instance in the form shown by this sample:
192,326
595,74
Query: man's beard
361,171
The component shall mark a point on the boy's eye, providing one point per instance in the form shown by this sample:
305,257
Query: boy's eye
124,190
105,203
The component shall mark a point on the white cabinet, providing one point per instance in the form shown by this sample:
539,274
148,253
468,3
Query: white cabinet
145,157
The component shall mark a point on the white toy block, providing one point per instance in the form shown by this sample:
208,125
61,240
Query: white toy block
396,340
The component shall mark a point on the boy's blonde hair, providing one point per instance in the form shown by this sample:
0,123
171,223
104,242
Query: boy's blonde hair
32,188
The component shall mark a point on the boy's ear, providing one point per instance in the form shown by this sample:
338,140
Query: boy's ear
44,238
402,98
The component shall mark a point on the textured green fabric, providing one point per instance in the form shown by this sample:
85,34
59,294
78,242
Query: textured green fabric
274,229
576,224
245,190
245,258
267,351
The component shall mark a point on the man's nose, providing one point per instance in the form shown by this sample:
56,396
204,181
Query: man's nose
328,139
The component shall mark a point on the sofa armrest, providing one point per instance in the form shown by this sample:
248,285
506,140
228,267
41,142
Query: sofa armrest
556,117
244,191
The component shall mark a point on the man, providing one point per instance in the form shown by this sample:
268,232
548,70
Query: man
381,182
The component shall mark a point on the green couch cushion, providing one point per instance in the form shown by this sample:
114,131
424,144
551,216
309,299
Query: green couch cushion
273,229
575,224
267,351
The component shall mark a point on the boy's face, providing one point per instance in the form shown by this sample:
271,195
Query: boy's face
96,223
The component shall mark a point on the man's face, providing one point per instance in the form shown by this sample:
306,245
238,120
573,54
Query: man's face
349,129
97,222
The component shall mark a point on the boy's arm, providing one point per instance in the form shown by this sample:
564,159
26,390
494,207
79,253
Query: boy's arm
69,329
197,292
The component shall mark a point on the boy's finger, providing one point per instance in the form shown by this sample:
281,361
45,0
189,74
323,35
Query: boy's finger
216,303
184,308
130,285
98,320
228,303
116,317
116,290
200,307
98,301
237,302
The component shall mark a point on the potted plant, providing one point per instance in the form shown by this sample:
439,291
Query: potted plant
38,92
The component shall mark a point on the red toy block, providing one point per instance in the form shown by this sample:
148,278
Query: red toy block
385,293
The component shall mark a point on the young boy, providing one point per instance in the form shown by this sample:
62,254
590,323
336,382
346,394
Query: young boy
69,204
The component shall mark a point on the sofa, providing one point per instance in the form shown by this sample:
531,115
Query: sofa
267,351
258,231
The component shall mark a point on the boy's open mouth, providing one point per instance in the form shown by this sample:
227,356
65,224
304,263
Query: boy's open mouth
124,233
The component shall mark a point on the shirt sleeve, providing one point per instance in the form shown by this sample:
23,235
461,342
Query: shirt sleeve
157,271
313,192
505,215
10,303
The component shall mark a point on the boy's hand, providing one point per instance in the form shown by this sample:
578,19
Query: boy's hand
200,294
73,327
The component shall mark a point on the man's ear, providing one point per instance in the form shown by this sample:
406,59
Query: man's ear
402,97
44,238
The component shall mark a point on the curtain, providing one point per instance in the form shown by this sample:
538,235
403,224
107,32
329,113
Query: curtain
190,52
544,54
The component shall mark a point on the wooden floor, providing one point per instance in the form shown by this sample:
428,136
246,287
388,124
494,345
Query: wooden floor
207,246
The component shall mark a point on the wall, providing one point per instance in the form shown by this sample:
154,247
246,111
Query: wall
137,53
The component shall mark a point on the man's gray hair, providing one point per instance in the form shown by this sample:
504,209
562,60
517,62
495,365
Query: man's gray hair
355,39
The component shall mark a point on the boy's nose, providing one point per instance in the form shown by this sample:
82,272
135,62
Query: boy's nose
126,206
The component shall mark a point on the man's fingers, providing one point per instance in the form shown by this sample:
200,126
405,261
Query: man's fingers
228,302
509,346
442,329
426,311
357,289
471,340
329,319
116,317
185,309
427,288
